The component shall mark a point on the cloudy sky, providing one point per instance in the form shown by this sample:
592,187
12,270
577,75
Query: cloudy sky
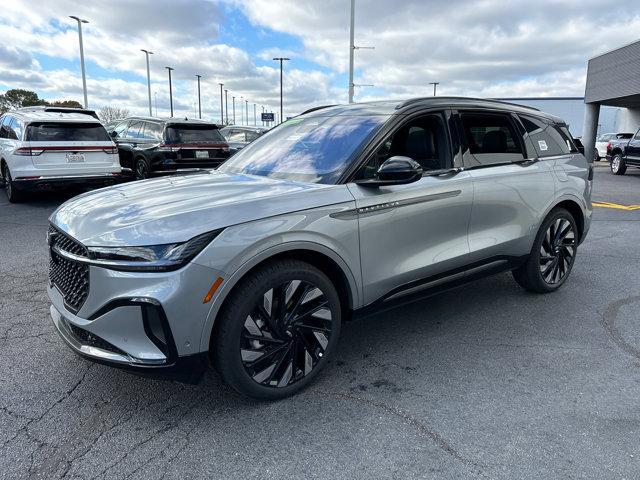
487,48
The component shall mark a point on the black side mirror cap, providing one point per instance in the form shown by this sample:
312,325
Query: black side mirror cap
397,170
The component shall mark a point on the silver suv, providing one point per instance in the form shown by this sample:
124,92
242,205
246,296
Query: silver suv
255,266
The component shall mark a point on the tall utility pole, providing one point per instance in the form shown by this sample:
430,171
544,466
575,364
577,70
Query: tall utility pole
221,105
261,116
226,106
199,104
84,76
147,53
282,59
234,110
155,98
254,115
170,90
352,48
435,85
241,109
246,111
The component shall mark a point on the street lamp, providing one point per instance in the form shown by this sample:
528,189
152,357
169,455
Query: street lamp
241,109
246,111
84,77
199,104
226,106
221,105
352,49
234,110
170,90
155,95
435,84
147,53
281,59
254,115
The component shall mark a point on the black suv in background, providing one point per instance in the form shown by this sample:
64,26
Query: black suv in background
150,146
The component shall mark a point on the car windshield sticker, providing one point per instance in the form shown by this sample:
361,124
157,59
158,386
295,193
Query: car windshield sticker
543,145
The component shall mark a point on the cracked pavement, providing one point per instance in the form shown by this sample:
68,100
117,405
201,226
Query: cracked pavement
484,381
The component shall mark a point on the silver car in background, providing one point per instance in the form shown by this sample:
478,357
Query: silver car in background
255,266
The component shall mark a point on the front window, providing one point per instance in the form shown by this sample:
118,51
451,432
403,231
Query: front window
193,134
313,149
67,132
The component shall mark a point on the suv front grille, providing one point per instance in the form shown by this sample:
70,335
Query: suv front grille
71,278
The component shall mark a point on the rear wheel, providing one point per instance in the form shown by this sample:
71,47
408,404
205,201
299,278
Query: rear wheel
14,195
618,166
277,330
552,256
142,169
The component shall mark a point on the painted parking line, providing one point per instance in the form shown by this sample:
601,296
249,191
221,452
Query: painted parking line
616,206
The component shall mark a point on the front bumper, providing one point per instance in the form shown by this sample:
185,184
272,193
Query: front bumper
147,323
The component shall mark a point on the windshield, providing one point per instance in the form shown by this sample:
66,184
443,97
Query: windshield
194,134
67,132
313,149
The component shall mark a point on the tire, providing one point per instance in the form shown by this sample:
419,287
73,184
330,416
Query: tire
297,346
13,194
142,169
552,255
596,156
618,165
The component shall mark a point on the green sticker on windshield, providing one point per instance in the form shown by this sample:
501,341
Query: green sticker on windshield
293,121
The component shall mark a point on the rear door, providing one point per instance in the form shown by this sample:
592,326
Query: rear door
512,189
7,141
71,147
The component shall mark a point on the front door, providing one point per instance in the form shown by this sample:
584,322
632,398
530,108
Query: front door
409,233
633,149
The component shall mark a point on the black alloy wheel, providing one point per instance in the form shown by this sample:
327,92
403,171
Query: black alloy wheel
142,169
552,256
557,251
278,329
286,334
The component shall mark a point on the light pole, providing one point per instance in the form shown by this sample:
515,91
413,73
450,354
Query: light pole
261,116
170,90
255,118
281,59
435,84
221,104
155,95
147,53
234,110
84,77
226,106
352,49
241,109
246,111
199,104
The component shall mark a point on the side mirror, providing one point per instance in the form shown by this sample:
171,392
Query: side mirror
396,170
113,134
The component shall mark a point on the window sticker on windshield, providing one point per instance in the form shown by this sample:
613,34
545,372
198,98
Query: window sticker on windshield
543,145
293,121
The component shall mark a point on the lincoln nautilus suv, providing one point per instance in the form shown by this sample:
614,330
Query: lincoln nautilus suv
255,266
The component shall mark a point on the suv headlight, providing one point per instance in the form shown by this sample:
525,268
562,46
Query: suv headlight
151,258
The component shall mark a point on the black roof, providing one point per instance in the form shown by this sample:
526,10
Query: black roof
171,120
390,107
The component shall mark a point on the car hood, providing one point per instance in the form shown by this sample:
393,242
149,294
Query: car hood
177,208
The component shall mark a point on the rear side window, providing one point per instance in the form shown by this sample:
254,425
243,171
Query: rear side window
547,140
251,136
491,139
67,132
193,134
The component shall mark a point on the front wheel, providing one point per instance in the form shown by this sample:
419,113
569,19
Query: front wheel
142,169
552,256
618,166
277,330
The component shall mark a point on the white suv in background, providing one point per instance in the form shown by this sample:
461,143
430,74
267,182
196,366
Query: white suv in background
44,150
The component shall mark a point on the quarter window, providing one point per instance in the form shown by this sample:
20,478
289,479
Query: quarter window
547,140
236,136
152,131
12,132
491,139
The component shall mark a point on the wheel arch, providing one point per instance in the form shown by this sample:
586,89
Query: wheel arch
317,255
617,150
575,209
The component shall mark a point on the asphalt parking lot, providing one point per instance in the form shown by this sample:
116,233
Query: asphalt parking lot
485,381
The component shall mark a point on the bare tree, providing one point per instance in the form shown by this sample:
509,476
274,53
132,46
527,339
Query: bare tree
109,114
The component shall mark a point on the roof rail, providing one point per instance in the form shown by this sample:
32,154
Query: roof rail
316,108
413,101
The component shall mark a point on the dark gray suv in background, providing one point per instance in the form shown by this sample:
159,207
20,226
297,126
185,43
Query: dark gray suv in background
256,265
